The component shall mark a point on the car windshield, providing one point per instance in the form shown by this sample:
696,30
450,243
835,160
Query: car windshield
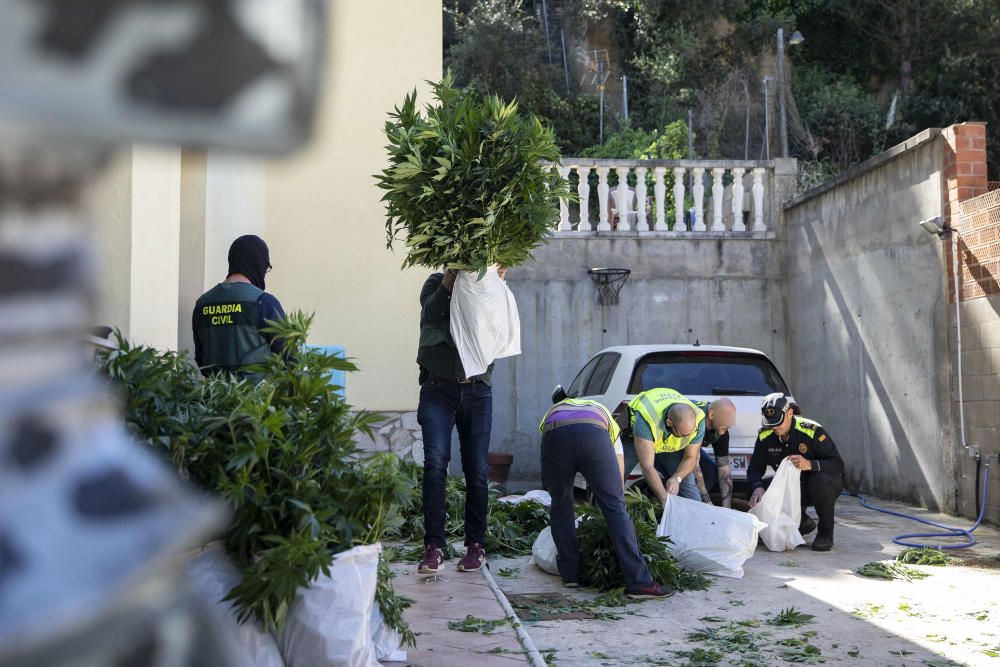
707,374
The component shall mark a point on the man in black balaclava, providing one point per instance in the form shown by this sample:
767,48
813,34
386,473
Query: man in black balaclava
229,318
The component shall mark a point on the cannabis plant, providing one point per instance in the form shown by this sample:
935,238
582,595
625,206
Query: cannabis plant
599,565
281,452
466,187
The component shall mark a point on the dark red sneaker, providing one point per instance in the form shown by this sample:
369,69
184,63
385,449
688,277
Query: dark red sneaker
650,591
475,558
432,561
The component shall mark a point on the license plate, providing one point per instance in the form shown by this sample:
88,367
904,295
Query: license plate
739,462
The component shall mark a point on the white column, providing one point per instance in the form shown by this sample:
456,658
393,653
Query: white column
679,173
718,192
155,246
564,225
583,190
641,224
660,193
234,206
603,225
758,200
624,201
737,192
699,198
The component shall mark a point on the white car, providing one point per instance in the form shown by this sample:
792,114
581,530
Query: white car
700,372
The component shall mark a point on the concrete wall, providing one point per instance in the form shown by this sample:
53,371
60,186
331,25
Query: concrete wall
867,306
325,223
721,290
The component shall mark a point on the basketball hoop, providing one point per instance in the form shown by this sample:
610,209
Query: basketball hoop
609,283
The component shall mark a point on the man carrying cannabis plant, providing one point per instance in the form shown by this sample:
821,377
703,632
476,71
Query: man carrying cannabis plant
449,400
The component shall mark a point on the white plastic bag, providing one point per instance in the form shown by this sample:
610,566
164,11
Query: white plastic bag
538,496
543,551
388,643
484,320
709,539
212,576
329,624
781,509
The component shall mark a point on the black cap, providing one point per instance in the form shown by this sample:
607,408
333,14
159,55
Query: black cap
774,408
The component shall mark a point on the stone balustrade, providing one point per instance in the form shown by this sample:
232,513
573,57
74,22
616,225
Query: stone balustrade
643,195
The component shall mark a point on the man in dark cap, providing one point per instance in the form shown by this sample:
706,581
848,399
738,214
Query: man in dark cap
228,319
810,449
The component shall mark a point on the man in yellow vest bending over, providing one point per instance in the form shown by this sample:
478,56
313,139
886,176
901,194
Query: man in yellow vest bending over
582,436
667,431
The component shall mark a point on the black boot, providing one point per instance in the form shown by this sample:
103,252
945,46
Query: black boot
823,542
806,525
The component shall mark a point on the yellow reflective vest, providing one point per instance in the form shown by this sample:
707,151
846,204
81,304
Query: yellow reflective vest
652,406
613,429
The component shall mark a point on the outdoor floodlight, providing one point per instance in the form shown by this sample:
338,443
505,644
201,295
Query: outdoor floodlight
796,38
936,226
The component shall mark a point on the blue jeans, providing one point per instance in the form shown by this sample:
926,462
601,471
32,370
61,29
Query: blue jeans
586,449
443,406
666,464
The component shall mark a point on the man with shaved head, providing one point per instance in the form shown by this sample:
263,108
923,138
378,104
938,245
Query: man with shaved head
720,415
667,430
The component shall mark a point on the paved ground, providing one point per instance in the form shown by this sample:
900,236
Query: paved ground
451,597
951,616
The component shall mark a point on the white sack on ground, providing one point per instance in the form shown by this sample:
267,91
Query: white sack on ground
780,508
329,624
212,576
388,643
484,320
709,539
543,551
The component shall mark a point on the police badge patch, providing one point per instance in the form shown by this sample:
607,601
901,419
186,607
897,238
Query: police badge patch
803,448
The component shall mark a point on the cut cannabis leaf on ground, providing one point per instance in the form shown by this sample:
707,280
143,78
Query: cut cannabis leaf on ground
889,569
923,556
474,624
791,616
466,187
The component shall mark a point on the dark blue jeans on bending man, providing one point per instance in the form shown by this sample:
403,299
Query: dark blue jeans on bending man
587,449
445,405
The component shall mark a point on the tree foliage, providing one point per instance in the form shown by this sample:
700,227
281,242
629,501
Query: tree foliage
869,74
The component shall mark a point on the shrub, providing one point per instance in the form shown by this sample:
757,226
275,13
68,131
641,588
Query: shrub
280,452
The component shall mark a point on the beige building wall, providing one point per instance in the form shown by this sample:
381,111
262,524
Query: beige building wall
136,209
165,218
325,223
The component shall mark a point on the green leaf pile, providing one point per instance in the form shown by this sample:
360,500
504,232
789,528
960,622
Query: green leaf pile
467,184
890,569
281,453
511,530
598,563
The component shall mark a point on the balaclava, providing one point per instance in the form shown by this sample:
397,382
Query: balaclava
249,255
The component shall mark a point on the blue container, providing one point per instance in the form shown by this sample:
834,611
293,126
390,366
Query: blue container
338,378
